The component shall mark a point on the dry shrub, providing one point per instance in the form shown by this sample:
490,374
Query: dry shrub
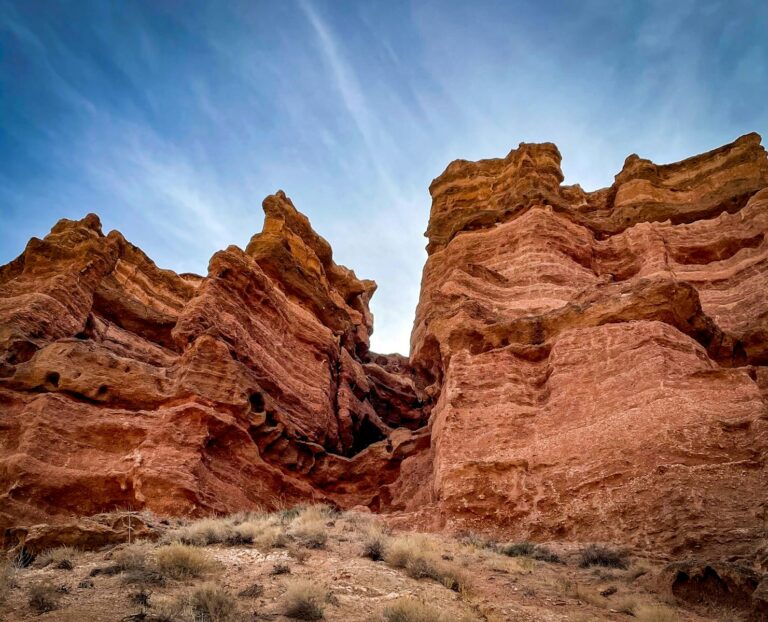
310,526
264,533
211,603
411,610
417,556
581,593
595,555
7,579
202,532
252,591
299,554
626,605
655,614
304,600
518,549
401,549
374,543
182,561
60,557
131,557
43,597
278,569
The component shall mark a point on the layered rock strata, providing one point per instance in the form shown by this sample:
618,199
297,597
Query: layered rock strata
598,358
584,365
123,386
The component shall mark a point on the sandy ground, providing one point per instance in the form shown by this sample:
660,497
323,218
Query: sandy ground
500,588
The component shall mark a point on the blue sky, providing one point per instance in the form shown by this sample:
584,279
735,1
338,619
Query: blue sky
172,120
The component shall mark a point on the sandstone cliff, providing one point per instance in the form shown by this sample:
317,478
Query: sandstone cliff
584,365
598,358
126,386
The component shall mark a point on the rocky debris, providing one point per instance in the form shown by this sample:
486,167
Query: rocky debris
596,359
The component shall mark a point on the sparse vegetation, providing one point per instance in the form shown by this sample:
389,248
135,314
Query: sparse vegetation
655,614
131,557
374,544
181,565
595,555
182,561
61,557
411,610
211,603
279,569
303,601
310,528
420,561
43,597
518,549
7,581
252,591
626,605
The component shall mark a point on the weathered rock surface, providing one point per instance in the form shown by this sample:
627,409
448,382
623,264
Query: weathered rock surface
123,386
598,358
591,365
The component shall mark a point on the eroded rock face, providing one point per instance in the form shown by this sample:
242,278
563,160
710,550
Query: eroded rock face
598,359
123,386
584,365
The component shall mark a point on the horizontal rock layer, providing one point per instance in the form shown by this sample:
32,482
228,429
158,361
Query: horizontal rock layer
584,365
598,359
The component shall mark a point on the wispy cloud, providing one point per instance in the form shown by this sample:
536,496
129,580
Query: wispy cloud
173,125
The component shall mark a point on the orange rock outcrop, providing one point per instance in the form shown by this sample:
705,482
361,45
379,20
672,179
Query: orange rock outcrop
598,358
584,365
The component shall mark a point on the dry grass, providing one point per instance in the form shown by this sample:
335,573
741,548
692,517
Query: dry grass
411,610
211,603
303,600
655,614
418,557
7,579
62,557
595,555
310,527
252,591
43,597
131,557
374,543
583,594
626,605
182,561
264,533
202,532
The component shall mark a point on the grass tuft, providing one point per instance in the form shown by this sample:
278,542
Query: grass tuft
655,614
411,610
595,555
43,597
304,600
211,603
61,557
182,561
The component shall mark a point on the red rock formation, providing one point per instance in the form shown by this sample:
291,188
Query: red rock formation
126,386
593,365
599,357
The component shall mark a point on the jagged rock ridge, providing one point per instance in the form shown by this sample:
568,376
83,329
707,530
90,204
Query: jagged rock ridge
584,365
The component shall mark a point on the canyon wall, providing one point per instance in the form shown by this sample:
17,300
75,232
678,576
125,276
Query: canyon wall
584,365
598,358
123,386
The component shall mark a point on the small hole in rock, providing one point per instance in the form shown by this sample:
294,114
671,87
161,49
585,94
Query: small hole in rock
52,378
257,402
102,389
